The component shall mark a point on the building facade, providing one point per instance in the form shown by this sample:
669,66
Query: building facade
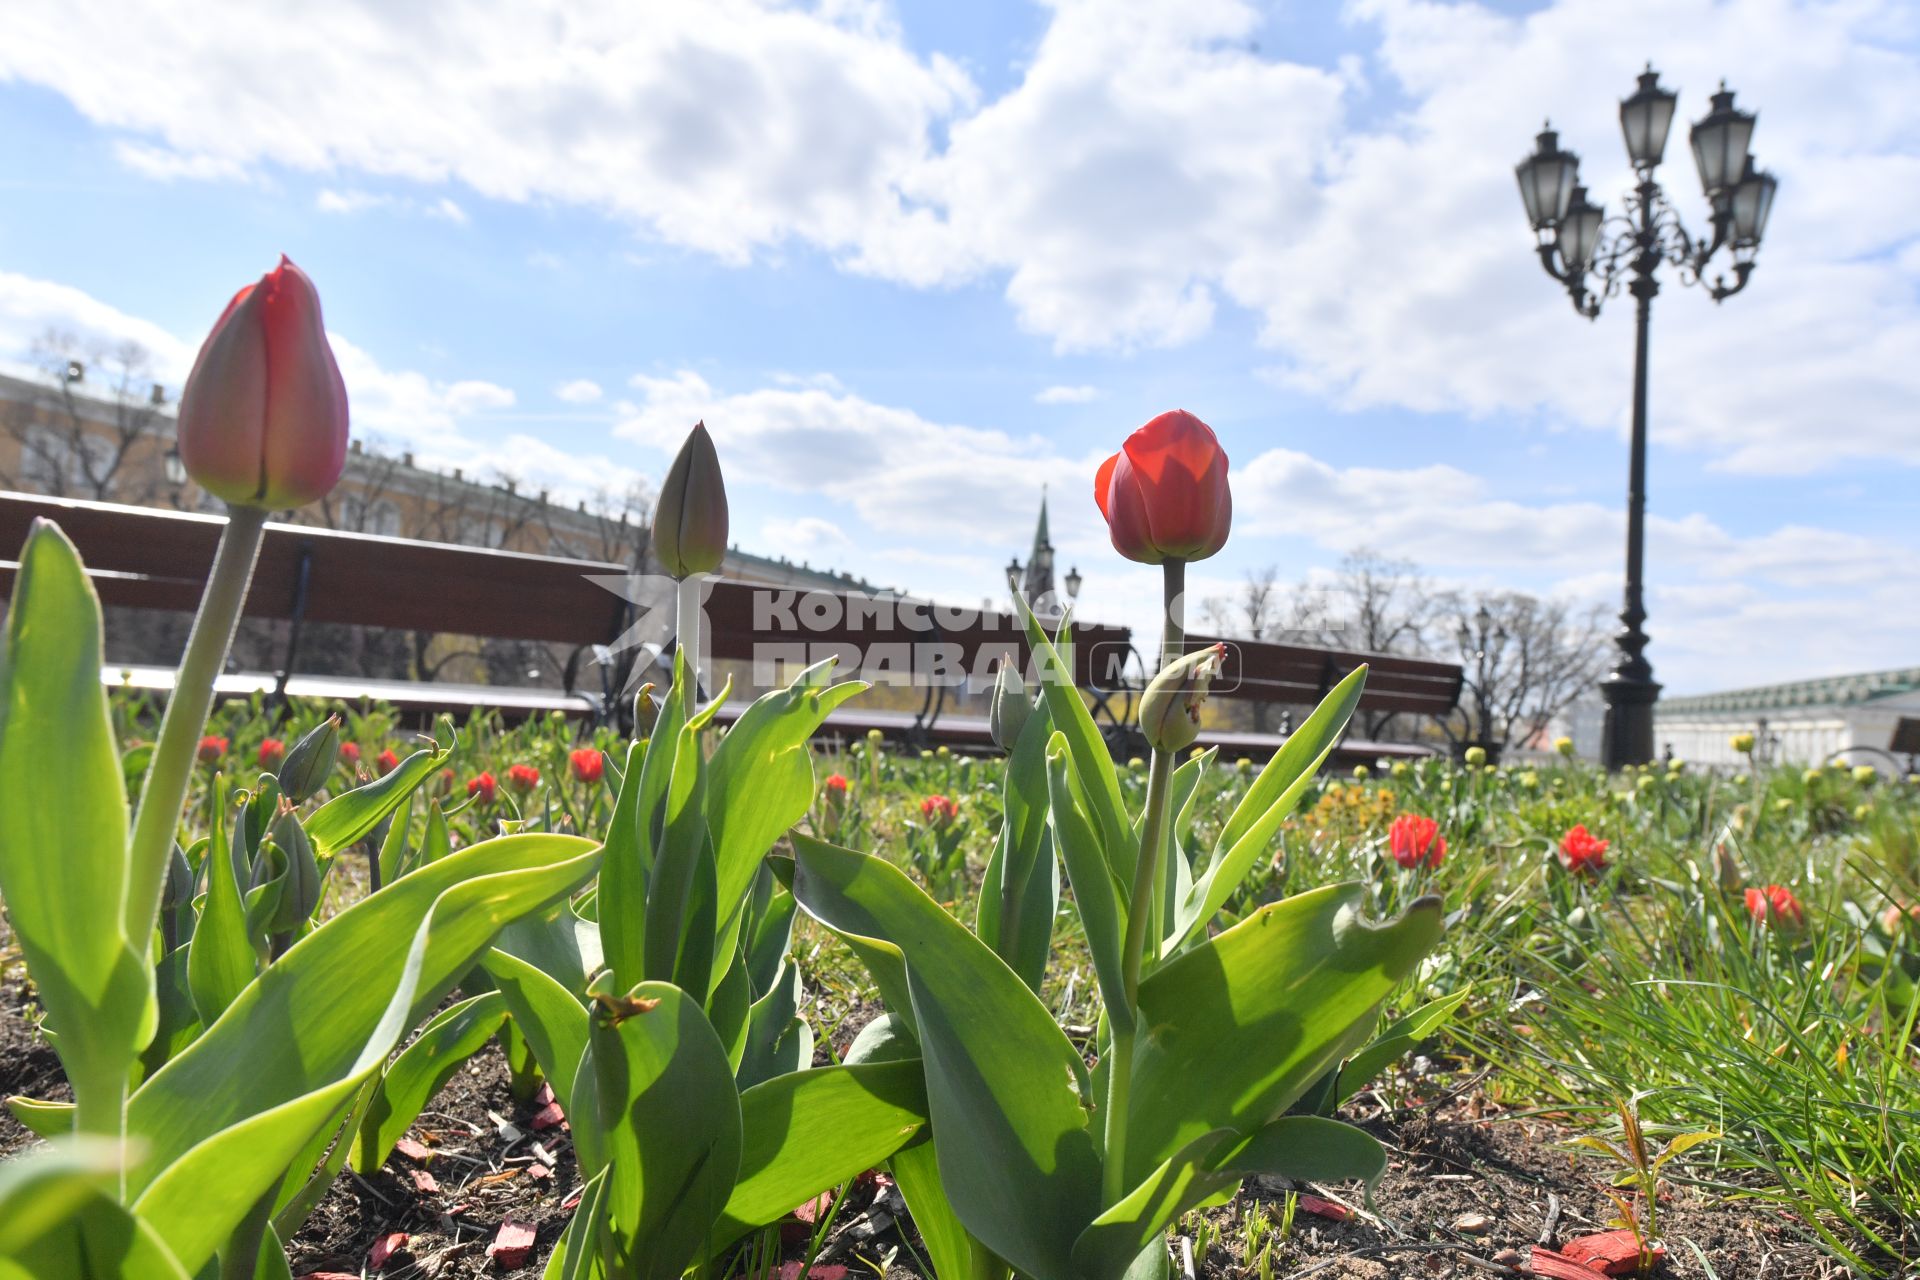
1871,718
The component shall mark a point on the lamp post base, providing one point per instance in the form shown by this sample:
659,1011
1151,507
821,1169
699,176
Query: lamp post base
1628,736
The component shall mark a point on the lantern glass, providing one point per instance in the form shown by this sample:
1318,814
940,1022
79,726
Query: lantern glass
1720,140
1547,178
1752,202
1580,232
1646,118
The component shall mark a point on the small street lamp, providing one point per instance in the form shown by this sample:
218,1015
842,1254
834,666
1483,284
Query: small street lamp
1595,256
1482,644
1072,581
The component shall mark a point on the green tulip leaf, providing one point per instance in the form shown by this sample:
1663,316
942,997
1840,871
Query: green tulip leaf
61,1222
955,1252
47,1120
778,1039
548,1014
63,830
1006,1090
578,1255
351,816
810,1131
664,1105
1238,1027
220,958
421,1070
1021,892
221,1123
1094,892
1112,1242
623,878
1393,1044
760,780
1092,761
1251,827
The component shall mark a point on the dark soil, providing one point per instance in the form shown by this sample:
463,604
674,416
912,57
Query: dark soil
1448,1163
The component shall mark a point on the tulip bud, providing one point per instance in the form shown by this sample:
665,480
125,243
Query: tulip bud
1011,707
310,761
1475,757
646,712
1864,774
690,520
1727,871
1743,743
1564,746
1164,494
1170,708
176,897
263,416
300,889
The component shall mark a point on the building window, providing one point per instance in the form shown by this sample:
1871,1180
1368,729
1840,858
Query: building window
379,517
60,462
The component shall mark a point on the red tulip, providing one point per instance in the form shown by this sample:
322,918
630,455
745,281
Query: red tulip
837,786
939,810
1415,841
1165,494
388,761
1775,907
483,786
263,417
212,748
350,753
1580,851
522,777
272,752
589,765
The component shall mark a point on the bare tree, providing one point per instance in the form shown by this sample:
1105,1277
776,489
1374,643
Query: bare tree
1387,605
613,526
1264,610
80,436
1539,656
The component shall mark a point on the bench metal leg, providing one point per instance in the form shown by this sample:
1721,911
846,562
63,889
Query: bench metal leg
297,617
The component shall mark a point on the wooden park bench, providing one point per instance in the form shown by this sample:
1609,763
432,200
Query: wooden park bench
1298,676
143,558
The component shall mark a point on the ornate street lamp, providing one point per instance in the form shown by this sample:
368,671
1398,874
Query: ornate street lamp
1482,644
1596,256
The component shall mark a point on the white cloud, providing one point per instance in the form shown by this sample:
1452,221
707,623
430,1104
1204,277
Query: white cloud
1066,395
167,165
1152,164
332,201
802,536
30,307
357,201
579,391
899,471
725,126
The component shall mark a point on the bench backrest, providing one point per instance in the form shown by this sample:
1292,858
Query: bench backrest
145,558
904,637
1297,675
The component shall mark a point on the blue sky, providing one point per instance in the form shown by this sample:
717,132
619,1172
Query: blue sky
864,240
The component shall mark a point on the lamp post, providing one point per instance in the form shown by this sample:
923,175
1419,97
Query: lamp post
1595,257
1482,644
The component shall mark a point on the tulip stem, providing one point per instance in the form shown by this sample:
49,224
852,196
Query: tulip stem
157,820
1144,909
687,637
